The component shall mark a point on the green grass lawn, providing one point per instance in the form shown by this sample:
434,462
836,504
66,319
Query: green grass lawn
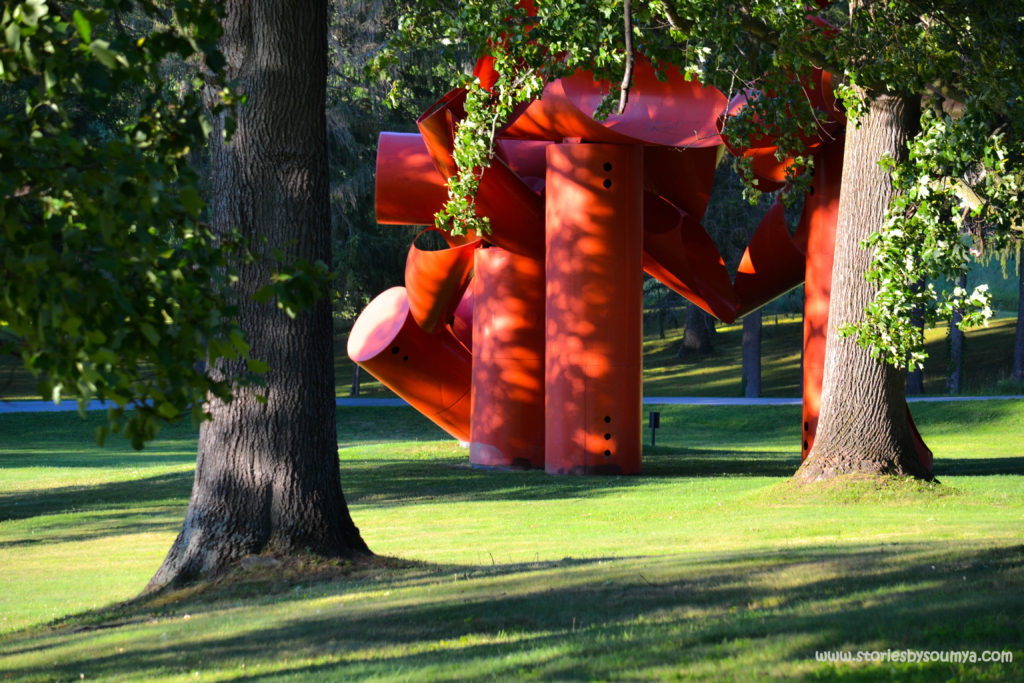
710,566
989,354
987,361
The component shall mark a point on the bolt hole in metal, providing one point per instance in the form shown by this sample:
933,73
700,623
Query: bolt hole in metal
607,419
607,454
607,166
607,183
394,350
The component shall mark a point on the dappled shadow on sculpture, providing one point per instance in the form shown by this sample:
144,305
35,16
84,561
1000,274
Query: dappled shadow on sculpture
597,203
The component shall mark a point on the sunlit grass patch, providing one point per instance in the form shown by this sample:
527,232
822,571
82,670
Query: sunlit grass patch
710,566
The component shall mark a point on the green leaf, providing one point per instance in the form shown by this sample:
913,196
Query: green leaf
32,11
191,200
152,336
83,25
102,52
13,36
167,410
257,366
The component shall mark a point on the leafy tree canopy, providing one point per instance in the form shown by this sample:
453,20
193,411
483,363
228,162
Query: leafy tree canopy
958,190
113,287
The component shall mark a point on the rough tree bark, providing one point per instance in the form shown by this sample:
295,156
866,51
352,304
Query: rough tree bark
863,427
1018,343
751,349
267,476
954,382
697,332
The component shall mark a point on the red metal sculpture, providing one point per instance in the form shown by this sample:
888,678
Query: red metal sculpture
538,363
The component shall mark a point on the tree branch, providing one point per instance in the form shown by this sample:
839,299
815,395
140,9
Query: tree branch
628,75
761,33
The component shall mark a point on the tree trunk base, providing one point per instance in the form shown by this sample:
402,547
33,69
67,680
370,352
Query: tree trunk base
267,573
827,465
211,562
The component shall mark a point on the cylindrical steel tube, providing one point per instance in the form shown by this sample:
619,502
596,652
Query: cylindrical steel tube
594,309
431,371
508,361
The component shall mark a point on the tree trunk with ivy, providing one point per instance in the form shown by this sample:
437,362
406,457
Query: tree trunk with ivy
863,426
267,475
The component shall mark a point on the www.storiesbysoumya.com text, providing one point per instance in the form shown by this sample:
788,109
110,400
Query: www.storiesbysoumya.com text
915,656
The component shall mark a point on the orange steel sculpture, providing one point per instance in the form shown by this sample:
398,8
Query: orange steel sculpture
535,360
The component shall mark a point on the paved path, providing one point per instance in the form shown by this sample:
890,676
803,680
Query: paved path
48,407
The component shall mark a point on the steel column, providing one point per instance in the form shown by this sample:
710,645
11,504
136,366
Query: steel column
594,309
507,429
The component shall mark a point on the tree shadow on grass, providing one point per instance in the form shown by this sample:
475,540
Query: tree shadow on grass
120,526
688,462
401,481
163,489
977,467
63,456
734,615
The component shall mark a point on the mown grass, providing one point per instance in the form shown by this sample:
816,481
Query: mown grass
987,361
710,566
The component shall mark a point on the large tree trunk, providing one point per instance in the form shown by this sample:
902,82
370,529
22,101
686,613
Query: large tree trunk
954,381
751,349
1018,343
697,333
267,474
863,427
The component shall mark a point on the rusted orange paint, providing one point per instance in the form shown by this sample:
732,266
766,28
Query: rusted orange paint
772,264
684,177
680,253
670,113
435,282
818,223
411,189
431,371
924,454
408,189
462,322
593,309
507,429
